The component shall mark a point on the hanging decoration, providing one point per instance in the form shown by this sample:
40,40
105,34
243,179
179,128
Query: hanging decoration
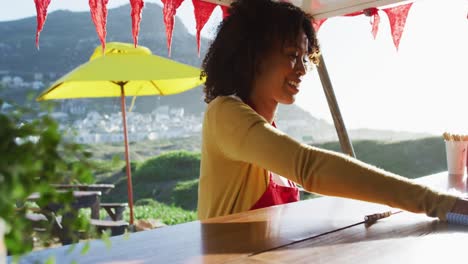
41,15
373,13
317,23
137,7
98,10
225,10
169,11
397,17
203,12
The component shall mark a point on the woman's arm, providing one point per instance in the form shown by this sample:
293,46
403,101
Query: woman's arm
243,135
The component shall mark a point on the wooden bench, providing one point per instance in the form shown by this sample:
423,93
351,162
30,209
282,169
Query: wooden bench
115,210
116,227
38,220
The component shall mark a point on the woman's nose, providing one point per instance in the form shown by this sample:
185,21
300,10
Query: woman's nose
301,68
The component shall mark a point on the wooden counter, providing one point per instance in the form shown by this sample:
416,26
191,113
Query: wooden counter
321,230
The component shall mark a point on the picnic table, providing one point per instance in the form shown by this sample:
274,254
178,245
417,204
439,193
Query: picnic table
81,199
114,210
101,187
320,230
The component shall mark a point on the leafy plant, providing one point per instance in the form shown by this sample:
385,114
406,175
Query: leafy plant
32,156
169,215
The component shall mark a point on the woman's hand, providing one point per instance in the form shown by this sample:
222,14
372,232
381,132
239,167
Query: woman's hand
460,206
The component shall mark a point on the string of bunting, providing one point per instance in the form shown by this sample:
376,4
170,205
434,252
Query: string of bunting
203,10
396,15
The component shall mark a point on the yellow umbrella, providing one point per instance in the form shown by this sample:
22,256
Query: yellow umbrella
123,70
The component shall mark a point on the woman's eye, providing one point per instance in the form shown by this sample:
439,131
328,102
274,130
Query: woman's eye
294,57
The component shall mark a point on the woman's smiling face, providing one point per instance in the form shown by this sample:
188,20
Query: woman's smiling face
281,70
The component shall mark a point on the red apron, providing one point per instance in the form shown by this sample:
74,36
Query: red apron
277,194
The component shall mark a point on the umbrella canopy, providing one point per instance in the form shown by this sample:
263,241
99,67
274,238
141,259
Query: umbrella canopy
123,70
144,74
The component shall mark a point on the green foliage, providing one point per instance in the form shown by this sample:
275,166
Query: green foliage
33,155
185,194
169,215
174,165
133,167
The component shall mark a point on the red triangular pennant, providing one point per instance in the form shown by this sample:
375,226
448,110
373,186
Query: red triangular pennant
137,7
169,11
202,12
316,24
375,24
373,13
225,10
41,11
397,17
98,10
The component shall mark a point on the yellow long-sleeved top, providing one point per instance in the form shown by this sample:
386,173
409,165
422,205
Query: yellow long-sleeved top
239,147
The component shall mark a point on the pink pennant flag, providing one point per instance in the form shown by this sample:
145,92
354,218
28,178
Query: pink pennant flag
169,11
397,17
137,7
202,12
225,10
98,10
316,24
373,13
375,18
41,11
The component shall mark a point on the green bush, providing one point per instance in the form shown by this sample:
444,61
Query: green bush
174,165
33,155
185,194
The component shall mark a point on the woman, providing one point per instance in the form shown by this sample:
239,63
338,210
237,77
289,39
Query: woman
256,62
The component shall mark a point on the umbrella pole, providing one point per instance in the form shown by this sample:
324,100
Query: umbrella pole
127,154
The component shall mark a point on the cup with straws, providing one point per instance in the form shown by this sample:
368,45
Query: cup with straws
456,152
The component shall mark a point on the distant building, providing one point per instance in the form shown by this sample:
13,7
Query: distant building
38,76
37,85
177,112
7,80
17,81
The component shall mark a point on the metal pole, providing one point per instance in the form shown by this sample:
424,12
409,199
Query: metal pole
127,154
346,145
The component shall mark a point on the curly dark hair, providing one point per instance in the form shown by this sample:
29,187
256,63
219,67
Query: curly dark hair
244,37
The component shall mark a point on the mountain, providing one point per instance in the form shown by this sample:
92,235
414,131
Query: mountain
69,38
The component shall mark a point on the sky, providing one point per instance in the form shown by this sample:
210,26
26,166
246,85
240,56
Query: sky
422,87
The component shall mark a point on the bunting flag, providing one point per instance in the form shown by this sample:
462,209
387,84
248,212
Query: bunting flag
397,17
225,10
202,12
98,10
41,15
169,11
375,19
137,7
373,13
317,23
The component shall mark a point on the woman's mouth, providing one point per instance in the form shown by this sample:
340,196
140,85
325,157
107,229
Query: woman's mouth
294,86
